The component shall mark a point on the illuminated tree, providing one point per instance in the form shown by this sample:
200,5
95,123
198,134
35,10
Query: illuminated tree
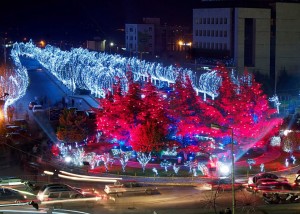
148,137
72,127
245,109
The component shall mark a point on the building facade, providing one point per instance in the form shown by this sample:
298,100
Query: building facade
238,33
140,38
261,38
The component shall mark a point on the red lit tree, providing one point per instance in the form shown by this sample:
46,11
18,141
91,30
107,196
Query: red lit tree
148,137
245,109
113,120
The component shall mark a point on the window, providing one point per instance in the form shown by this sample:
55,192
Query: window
200,32
130,29
208,33
216,33
212,20
221,33
221,20
220,46
208,20
204,33
225,21
53,195
204,21
212,45
196,21
150,29
225,33
208,45
217,21
196,33
212,33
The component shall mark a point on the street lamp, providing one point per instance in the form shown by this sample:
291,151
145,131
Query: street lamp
110,46
217,126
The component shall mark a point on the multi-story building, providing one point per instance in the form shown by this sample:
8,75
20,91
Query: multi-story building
262,37
140,38
155,39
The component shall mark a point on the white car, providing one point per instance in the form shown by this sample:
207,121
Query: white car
37,108
129,187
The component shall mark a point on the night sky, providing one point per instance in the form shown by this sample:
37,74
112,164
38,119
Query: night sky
85,19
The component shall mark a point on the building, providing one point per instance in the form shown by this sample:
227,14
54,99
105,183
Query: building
262,36
157,40
140,39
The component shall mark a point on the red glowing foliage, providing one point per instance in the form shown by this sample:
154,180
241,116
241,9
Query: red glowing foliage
144,118
147,137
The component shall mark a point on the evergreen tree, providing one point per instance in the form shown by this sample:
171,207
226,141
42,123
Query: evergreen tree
72,127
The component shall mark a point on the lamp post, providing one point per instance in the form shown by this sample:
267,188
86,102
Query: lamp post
217,126
110,46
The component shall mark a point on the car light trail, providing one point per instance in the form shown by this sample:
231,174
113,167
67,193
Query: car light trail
85,176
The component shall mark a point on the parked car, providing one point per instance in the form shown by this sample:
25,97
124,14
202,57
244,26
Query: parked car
119,188
37,108
253,186
22,123
31,104
255,178
11,196
265,186
58,191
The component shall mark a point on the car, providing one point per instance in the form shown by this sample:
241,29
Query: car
251,187
267,186
225,184
37,108
11,196
22,123
10,180
31,104
255,178
119,188
16,129
57,191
